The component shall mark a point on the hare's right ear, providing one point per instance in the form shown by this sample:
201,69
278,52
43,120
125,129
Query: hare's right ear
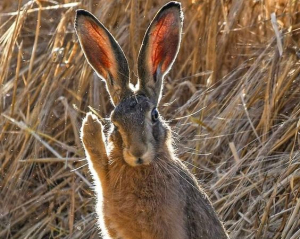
159,49
104,54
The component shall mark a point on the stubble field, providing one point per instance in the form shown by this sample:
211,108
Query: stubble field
232,99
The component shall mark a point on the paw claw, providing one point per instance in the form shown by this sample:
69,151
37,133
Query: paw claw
91,129
91,124
91,118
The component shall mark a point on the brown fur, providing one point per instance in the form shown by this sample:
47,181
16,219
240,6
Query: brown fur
143,190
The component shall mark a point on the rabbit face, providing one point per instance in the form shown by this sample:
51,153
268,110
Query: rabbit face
140,129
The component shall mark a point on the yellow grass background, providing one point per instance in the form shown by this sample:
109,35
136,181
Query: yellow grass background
232,99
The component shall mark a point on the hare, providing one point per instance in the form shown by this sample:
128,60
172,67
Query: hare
143,190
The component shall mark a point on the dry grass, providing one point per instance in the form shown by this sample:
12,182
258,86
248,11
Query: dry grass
233,99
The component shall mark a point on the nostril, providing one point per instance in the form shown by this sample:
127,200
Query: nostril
139,161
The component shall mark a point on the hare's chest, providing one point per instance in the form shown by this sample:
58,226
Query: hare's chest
140,214
138,200
143,205
141,197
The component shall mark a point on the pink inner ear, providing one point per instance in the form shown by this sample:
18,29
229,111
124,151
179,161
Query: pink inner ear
97,47
164,42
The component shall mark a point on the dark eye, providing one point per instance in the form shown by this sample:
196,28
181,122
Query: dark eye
154,115
115,127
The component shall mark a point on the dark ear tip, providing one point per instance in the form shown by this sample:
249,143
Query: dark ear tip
176,7
79,13
172,4
82,13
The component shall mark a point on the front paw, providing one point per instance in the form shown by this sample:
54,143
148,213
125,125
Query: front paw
92,136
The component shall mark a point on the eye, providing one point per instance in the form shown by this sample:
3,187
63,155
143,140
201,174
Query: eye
115,127
154,115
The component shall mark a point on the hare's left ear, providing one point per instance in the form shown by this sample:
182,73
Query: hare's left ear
104,54
159,49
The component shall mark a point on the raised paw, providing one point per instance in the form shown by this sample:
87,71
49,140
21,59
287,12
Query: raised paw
92,136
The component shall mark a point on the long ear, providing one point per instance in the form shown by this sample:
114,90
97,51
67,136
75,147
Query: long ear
159,49
104,54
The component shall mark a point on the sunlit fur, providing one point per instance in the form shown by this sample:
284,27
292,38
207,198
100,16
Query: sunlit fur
158,200
143,190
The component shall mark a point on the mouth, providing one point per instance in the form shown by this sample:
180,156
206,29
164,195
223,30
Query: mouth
134,161
140,161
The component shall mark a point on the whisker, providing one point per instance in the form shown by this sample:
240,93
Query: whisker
193,165
75,169
175,167
161,166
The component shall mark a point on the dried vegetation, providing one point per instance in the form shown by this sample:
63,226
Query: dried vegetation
233,99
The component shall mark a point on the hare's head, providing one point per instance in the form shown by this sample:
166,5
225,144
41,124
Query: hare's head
137,125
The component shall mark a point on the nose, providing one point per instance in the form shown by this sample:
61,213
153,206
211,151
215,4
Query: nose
137,150
139,161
